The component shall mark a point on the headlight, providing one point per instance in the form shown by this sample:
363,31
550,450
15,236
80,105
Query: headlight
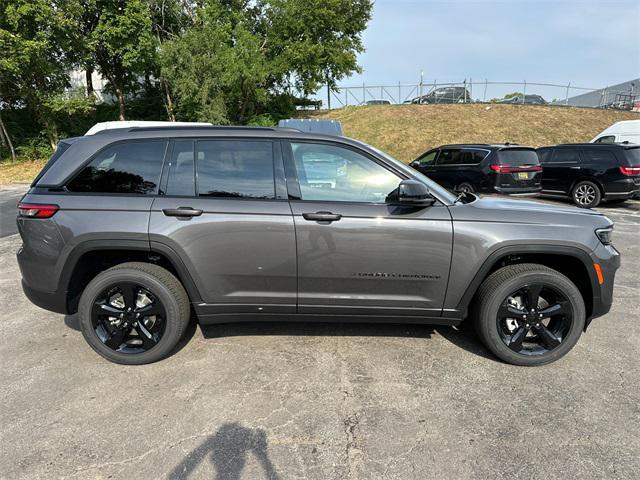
604,235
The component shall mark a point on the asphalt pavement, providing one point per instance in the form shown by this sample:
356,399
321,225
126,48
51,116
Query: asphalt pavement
318,401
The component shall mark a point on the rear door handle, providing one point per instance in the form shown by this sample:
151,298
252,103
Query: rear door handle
575,168
182,212
327,217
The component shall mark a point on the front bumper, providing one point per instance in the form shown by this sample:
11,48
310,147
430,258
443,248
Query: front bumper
609,260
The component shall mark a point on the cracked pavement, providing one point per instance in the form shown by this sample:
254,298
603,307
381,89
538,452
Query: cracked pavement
320,401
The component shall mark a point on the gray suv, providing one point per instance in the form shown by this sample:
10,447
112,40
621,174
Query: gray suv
138,230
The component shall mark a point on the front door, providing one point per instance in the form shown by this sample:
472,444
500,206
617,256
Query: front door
561,169
232,228
356,254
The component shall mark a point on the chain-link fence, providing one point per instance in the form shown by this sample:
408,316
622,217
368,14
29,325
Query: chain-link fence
626,97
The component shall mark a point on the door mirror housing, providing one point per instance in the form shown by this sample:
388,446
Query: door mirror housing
414,164
411,193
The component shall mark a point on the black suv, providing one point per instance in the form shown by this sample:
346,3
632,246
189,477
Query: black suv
445,95
591,172
135,229
507,168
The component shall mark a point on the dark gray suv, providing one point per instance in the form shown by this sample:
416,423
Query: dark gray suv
140,229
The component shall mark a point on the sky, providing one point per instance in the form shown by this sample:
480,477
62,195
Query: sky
590,43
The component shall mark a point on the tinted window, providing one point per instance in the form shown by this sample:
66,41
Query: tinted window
565,155
180,169
461,157
633,156
238,169
132,167
599,156
328,172
543,155
61,148
428,158
606,139
518,157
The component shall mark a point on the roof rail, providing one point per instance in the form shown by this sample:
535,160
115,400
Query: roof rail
201,127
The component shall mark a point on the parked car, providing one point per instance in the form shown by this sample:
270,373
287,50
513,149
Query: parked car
624,131
502,168
590,172
136,228
525,99
377,102
445,95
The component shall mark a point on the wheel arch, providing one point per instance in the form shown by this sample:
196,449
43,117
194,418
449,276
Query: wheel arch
90,258
586,178
574,263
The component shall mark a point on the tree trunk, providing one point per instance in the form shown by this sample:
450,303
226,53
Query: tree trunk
52,134
120,96
168,101
88,75
5,137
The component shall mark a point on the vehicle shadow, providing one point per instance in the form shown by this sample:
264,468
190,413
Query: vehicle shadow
463,337
227,450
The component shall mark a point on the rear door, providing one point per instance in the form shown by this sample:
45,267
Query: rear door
356,254
224,212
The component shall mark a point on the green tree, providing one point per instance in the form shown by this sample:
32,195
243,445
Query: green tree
35,44
124,45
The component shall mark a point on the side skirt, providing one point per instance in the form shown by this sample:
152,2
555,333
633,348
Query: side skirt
301,317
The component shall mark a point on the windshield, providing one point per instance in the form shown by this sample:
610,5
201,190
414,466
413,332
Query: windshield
633,156
440,191
515,157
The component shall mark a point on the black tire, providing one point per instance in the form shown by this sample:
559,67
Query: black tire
163,285
586,194
465,187
495,290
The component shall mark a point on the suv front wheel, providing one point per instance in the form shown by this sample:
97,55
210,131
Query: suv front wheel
134,313
529,314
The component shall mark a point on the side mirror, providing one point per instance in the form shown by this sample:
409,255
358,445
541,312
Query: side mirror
411,193
414,164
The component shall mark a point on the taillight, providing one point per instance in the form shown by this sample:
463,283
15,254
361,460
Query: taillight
34,210
630,171
510,169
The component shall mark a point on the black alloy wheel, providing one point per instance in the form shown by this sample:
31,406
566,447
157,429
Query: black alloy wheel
128,318
534,319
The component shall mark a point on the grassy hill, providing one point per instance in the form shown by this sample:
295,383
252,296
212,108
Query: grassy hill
405,131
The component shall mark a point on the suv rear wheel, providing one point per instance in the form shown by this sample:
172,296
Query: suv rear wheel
529,314
586,194
465,187
134,313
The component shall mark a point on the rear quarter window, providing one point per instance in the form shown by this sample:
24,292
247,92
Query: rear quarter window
599,156
127,167
632,155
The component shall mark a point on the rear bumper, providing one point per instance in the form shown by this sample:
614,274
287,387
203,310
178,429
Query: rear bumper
518,190
52,301
623,189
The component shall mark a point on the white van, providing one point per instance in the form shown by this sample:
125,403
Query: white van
625,131
98,127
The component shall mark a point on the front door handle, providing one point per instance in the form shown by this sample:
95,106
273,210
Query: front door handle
575,168
326,217
182,212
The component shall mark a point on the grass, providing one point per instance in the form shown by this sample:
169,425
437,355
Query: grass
405,131
20,171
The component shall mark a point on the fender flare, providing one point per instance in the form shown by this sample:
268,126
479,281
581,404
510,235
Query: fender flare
501,252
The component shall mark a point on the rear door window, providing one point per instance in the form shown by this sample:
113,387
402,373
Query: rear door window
127,167
518,157
565,155
181,169
235,169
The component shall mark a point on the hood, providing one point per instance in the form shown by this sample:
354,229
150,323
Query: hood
509,210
